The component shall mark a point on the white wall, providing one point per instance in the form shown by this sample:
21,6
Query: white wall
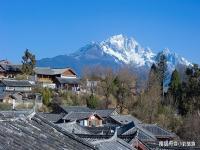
85,123
82,122
20,89
49,85
68,77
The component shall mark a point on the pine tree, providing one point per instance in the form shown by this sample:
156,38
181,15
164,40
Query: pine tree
28,63
153,76
162,72
192,89
175,87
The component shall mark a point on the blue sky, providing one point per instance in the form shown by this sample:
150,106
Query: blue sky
52,27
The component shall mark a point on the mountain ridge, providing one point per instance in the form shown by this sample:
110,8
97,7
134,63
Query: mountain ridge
116,51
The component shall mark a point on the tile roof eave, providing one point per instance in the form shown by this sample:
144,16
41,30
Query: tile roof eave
59,129
172,135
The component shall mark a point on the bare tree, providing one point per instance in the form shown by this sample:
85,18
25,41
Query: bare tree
91,76
100,81
148,102
190,128
125,88
107,85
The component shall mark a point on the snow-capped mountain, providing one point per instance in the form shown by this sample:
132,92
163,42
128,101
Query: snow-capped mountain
173,59
127,50
114,52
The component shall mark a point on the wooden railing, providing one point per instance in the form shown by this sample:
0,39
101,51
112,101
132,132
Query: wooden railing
46,80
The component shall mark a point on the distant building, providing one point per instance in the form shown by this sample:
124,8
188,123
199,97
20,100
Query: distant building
81,114
107,129
88,119
8,70
14,90
90,86
65,79
13,86
69,84
104,113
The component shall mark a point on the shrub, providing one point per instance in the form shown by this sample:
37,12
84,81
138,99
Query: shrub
46,94
92,101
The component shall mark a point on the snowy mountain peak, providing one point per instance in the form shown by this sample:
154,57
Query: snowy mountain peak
118,37
115,51
121,42
166,51
127,50
173,59
124,50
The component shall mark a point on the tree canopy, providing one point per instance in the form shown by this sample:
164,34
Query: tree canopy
28,62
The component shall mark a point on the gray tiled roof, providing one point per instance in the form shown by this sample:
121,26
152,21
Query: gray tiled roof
130,131
43,70
113,143
125,119
99,138
13,114
101,130
74,127
150,132
10,67
5,61
50,71
126,129
68,109
142,133
157,131
52,117
37,133
105,112
72,116
117,144
93,138
13,83
68,80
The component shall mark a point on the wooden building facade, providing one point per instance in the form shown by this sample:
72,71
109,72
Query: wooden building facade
57,78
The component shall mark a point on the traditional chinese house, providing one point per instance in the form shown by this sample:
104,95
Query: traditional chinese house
13,86
13,89
88,119
26,130
57,78
8,70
